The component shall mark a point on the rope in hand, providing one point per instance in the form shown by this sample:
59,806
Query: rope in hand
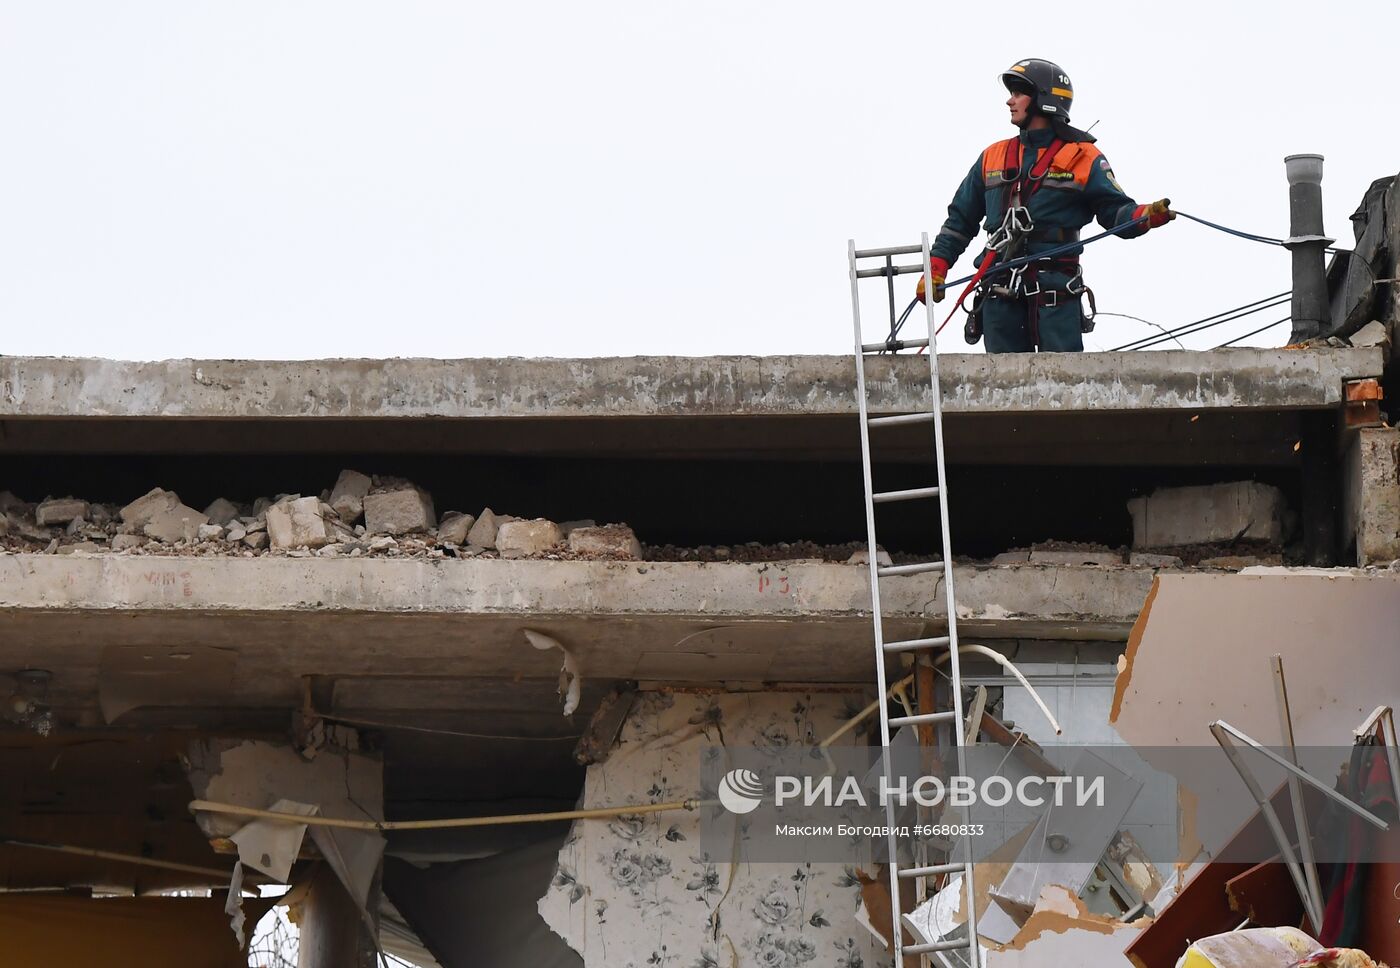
1185,329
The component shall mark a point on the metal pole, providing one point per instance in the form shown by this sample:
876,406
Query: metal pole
1308,243
1295,791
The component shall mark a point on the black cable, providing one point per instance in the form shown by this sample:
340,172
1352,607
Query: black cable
1184,328
1200,328
1269,240
1254,332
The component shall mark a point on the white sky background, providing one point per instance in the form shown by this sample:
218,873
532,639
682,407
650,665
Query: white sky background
316,179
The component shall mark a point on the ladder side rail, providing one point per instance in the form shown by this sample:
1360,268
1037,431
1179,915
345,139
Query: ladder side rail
897,922
955,670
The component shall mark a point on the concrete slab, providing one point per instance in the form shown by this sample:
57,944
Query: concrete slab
288,617
1268,379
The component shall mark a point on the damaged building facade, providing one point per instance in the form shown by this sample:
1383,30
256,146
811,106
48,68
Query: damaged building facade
394,596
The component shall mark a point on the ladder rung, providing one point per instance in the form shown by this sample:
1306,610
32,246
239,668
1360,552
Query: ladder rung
903,418
889,250
912,494
924,719
909,645
887,271
933,871
890,571
927,949
893,345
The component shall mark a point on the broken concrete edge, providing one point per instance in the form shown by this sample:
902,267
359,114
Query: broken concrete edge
681,386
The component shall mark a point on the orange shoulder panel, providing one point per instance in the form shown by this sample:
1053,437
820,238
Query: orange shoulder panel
1077,157
994,158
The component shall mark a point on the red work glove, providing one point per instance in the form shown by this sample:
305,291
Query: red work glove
940,273
1159,213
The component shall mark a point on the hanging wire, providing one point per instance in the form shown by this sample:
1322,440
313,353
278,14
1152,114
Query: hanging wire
1148,322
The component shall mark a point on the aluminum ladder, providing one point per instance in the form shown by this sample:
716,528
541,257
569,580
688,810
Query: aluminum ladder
939,494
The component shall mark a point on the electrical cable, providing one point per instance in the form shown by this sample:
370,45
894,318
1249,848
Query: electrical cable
1205,322
1254,332
1266,239
1193,328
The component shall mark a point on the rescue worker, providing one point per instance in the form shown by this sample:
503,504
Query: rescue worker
1034,192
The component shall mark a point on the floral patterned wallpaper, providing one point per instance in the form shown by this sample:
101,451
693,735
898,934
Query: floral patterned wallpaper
638,892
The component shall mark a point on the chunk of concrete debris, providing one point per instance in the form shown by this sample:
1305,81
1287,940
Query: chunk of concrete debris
221,512
516,539
236,532
296,524
862,557
210,532
60,511
1373,333
1240,510
177,523
1073,558
382,543
139,512
610,541
125,542
81,548
257,540
567,528
454,527
483,532
8,503
1143,559
348,495
402,510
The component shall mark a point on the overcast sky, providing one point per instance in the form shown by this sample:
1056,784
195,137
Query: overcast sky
314,179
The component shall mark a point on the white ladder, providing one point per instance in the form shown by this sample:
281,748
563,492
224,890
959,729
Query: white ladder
938,493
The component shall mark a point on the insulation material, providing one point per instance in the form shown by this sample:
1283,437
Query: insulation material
1254,948
117,932
233,906
570,682
636,890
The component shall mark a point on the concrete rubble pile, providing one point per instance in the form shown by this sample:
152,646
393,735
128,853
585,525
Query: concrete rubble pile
1227,526
360,515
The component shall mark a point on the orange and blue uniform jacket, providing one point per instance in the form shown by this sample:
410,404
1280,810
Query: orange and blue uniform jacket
1078,187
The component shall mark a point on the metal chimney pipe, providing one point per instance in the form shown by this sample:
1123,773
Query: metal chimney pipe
1311,312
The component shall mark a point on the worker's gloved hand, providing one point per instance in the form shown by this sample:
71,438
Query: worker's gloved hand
940,275
1158,213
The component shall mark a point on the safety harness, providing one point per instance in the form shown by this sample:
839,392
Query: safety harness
1015,229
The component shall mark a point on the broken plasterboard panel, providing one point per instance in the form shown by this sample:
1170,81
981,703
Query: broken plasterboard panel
1062,931
1200,651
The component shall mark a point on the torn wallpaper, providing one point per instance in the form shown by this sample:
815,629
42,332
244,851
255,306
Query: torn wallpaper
637,891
